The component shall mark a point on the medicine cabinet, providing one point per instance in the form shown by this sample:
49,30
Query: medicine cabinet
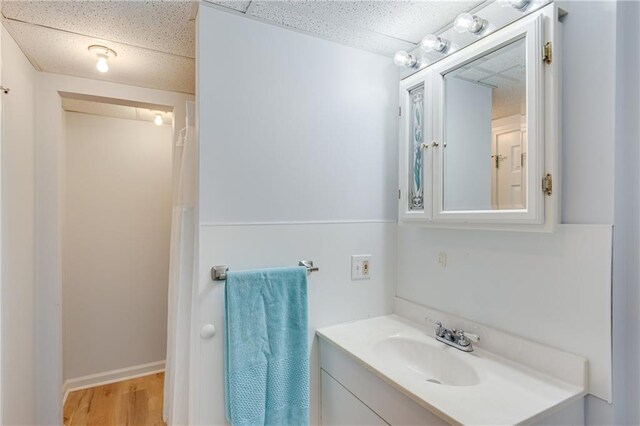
479,136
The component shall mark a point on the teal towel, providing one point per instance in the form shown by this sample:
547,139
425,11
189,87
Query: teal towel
266,347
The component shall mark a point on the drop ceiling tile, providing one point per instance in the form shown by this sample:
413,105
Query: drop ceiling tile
284,14
505,58
160,25
517,73
400,19
508,96
472,74
239,5
63,53
495,80
504,106
165,26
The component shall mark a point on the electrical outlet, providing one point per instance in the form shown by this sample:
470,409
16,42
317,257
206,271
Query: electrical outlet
361,267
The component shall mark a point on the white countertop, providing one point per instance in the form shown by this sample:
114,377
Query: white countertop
494,390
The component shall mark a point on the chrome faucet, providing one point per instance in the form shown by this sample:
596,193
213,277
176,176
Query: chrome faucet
456,338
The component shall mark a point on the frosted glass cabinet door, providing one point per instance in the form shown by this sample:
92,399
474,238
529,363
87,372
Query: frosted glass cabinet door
415,157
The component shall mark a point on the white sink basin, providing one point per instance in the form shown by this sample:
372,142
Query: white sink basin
459,387
434,364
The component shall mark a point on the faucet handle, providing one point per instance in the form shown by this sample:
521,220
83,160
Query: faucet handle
469,336
462,339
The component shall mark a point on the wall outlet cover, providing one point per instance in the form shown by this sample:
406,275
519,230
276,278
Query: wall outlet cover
361,267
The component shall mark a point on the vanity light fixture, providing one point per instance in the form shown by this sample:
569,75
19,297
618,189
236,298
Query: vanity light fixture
158,119
433,43
103,53
404,59
516,4
468,22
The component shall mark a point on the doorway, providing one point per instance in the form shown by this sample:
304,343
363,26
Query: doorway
117,174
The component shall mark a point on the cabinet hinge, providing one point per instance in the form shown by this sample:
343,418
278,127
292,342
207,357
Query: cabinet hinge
399,111
547,53
399,194
547,184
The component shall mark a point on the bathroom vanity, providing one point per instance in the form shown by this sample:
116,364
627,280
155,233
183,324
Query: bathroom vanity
479,148
389,370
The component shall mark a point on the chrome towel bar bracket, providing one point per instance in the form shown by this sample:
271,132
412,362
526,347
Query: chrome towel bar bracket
219,272
309,265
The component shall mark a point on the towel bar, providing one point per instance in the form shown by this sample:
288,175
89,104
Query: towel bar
219,272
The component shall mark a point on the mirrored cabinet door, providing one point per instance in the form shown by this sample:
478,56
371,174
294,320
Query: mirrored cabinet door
416,161
489,131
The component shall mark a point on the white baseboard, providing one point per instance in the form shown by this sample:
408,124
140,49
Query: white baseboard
112,376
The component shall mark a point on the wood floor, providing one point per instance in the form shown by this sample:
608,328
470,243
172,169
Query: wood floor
134,402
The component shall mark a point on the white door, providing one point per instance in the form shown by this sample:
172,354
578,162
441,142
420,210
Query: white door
508,160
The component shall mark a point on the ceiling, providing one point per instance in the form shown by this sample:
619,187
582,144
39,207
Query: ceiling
379,26
155,40
103,109
505,72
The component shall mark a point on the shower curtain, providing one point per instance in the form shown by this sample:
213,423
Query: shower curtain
181,274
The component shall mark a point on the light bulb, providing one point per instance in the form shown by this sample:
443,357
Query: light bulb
404,59
468,22
516,4
431,43
158,120
103,53
102,65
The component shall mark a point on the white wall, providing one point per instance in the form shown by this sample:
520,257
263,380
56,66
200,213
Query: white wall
588,111
298,159
550,288
626,251
117,224
467,159
333,297
325,105
50,137
18,237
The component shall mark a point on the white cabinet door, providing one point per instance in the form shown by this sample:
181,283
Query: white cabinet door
341,408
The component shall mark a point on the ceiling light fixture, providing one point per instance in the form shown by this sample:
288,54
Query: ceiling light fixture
404,59
468,22
103,53
516,4
158,119
433,43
